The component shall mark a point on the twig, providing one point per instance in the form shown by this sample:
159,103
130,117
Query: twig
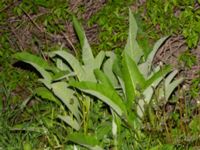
69,41
37,26
17,37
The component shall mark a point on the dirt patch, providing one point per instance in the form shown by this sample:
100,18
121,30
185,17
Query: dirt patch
171,51
28,32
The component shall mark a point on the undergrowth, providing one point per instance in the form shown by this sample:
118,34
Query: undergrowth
31,114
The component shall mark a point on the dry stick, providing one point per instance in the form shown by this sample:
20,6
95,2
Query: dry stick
13,44
17,37
68,40
10,5
46,33
37,26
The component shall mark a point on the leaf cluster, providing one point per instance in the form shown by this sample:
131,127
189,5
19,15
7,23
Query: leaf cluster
100,77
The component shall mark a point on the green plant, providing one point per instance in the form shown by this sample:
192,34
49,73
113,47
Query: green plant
55,78
112,28
53,23
137,83
177,16
195,88
126,86
188,59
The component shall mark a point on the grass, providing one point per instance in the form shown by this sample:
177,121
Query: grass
171,125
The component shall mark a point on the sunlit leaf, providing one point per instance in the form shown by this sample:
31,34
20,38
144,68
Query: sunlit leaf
44,93
108,68
70,121
38,63
146,67
132,48
87,55
132,78
87,141
104,93
66,95
73,62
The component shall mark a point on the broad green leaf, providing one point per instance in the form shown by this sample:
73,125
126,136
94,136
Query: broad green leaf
104,93
95,64
38,63
155,49
61,65
147,97
166,90
89,74
160,73
146,67
118,72
132,69
60,75
103,78
27,57
46,75
171,87
117,67
70,121
98,60
148,93
87,55
87,141
44,93
47,83
73,62
132,78
150,84
108,68
170,77
27,146
66,95
132,48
